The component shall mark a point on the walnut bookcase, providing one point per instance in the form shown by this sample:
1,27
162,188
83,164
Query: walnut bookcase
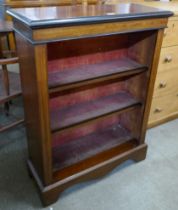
87,83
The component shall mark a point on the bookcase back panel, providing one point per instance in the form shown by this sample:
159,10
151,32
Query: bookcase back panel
126,120
70,54
65,136
65,55
92,92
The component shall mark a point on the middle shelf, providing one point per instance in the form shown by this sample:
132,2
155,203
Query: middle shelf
62,118
117,68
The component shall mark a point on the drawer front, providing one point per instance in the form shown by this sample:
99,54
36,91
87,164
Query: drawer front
163,107
171,34
168,58
166,83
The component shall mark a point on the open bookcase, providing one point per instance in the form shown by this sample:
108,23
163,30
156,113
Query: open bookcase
97,95
87,89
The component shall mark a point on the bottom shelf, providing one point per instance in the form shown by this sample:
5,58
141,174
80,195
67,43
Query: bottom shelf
77,150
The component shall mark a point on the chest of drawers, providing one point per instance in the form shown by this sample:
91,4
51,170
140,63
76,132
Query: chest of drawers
165,98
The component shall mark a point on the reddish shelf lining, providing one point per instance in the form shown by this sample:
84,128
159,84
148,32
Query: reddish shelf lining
82,112
80,149
92,71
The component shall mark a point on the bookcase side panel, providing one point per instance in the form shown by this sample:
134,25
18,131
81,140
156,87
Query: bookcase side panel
35,96
152,78
146,51
143,51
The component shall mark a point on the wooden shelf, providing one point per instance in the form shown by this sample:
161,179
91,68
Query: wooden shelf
15,88
108,69
83,112
88,146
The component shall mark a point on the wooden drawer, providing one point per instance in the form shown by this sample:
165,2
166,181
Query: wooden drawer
166,83
171,34
168,58
163,107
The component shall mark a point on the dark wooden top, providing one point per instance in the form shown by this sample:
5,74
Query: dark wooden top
74,15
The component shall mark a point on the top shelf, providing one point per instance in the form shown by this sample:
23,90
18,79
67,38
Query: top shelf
92,72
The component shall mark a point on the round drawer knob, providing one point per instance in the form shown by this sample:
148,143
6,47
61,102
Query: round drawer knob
162,85
158,110
168,59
